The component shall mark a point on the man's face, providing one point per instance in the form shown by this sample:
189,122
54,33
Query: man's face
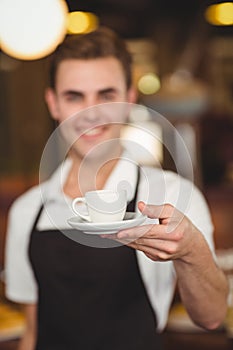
81,84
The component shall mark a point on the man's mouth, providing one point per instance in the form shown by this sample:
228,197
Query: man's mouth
94,132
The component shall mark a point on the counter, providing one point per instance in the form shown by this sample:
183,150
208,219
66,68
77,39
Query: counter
175,341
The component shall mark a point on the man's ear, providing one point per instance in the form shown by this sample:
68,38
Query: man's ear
51,100
132,94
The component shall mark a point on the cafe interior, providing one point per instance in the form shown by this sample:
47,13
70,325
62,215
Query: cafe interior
183,71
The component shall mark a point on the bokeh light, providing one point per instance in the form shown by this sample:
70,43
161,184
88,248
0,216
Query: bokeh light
31,29
220,14
149,84
81,22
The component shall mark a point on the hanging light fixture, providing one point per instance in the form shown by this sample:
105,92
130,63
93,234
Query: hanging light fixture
31,29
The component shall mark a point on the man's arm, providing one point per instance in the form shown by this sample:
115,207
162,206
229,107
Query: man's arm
203,286
28,339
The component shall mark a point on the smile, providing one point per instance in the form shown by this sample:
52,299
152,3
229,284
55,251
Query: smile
94,132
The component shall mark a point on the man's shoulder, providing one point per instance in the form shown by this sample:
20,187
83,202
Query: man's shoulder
29,201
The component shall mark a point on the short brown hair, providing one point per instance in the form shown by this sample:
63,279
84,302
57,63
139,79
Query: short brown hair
100,43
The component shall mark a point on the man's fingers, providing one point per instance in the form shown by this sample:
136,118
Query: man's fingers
164,211
149,231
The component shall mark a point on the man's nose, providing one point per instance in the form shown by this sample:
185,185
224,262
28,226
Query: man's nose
90,114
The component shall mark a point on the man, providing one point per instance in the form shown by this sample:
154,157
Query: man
79,295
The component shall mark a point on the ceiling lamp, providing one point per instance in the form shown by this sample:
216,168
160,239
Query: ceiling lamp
31,29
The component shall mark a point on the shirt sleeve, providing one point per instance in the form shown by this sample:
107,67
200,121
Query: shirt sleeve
20,282
199,213
159,277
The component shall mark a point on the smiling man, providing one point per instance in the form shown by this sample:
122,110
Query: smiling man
83,296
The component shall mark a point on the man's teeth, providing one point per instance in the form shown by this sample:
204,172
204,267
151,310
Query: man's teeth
94,131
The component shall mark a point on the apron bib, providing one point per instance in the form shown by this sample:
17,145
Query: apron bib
89,298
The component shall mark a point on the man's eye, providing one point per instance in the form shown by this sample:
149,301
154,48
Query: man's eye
73,97
108,97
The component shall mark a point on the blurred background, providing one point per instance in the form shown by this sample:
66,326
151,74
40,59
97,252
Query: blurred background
183,69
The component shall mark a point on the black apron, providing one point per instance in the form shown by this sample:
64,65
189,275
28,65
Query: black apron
89,298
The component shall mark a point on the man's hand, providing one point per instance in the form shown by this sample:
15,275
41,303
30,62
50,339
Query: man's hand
172,238
202,285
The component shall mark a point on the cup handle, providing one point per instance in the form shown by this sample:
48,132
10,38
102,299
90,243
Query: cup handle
80,200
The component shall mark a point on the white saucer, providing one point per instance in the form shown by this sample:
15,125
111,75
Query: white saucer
130,220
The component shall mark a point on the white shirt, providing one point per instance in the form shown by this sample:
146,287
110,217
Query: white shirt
156,187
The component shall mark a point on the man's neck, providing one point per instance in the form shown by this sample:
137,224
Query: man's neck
87,175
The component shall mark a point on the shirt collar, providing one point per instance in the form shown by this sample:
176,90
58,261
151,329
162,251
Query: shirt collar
123,176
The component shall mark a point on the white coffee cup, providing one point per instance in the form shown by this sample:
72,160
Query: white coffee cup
102,205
